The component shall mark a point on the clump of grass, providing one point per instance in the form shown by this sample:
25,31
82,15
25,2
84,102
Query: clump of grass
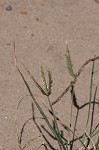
45,89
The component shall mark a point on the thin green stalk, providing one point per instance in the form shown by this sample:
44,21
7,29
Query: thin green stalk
69,133
90,96
84,139
55,119
71,114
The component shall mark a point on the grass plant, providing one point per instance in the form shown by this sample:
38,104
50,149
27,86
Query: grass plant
87,136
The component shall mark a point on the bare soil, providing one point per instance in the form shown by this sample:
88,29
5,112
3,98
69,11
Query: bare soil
39,29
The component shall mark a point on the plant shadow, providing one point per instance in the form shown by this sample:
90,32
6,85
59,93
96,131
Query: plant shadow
78,108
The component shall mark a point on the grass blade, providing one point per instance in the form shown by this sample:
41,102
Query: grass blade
54,116
95,131
97,144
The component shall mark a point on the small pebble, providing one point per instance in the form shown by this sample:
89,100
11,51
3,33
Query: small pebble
24,12
7,117
9,8
32,34
37,19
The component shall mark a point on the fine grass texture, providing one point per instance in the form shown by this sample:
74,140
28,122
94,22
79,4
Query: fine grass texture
86,140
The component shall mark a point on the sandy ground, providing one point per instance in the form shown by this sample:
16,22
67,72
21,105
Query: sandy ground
39,29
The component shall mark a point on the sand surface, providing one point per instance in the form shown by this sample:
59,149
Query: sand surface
39,29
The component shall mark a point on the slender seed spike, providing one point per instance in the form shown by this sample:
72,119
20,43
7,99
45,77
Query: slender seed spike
69,63
50,82
45,87
34,80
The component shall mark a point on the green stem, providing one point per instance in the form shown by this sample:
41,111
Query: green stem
55,118
56,125
90,97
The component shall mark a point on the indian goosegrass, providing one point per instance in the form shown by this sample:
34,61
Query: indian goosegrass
45,89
